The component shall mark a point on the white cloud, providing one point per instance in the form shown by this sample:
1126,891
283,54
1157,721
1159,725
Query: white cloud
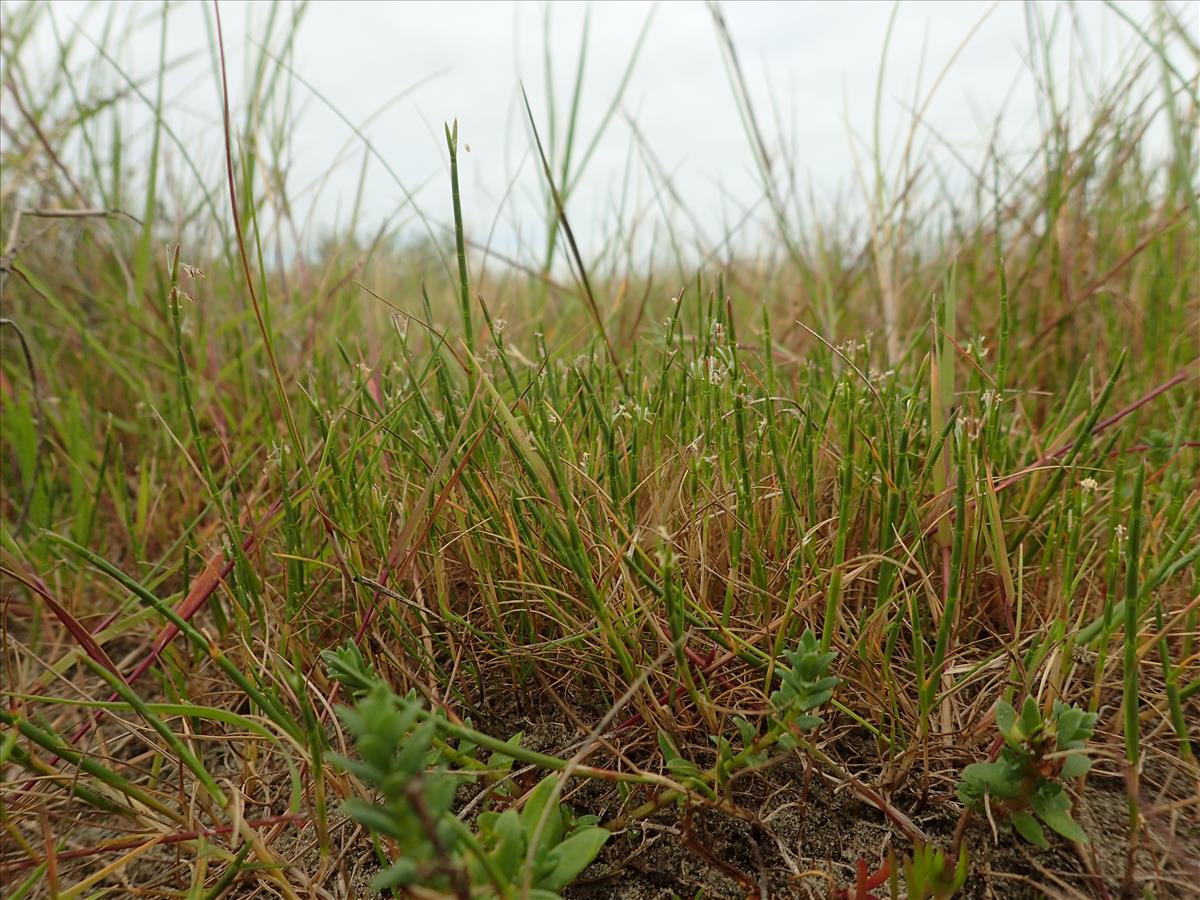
820,61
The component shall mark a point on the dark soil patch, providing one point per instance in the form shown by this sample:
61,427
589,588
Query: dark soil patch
808,832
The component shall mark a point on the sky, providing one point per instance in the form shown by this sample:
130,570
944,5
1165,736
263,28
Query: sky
812,71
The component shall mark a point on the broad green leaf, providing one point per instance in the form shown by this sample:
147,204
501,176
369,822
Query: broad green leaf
399,874
537,805
1031,717
1006,717
683,769
1075,765
373,818
667,746
747,731
1054,808
415,747
1027,826
510,846
1069,721
440,791
485,823
572,856
502,762
997,778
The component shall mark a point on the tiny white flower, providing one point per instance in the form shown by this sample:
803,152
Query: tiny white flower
713,370
666,556
633,544
1088,485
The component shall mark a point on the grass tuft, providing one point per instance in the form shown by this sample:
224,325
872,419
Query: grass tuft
301,548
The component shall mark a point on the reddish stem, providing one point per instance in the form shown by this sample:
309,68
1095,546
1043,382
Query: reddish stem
176,838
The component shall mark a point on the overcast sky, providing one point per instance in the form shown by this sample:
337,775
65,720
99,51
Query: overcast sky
812,70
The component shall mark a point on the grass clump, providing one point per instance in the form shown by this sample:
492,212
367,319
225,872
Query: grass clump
740,577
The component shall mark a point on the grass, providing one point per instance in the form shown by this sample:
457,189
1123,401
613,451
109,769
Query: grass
953,445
